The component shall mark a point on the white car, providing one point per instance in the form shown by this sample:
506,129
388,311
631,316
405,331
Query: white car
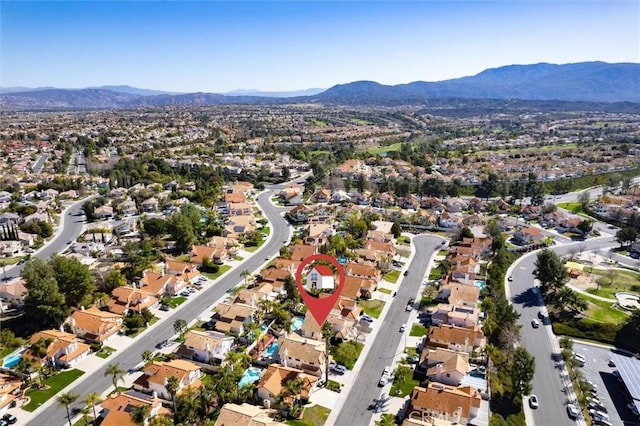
383,380
573,411
403,327
533,402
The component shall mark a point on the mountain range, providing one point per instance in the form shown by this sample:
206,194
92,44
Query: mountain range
585,81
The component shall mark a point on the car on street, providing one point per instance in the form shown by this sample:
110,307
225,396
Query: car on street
406,273
611,363
533,402
541,314
409,308
510,278
10,418
162,344
573,411
598,414
383,380
387,370
535,323
403,327
338,369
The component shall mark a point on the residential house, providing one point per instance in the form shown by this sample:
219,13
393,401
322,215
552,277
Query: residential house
128,208
183,270
216,255
528,235
246,415
275,380
125,299
118,193
37,217
461,339
459,405
95,325
150,205
317,234
5,197
126,226
299,214
232,318
448,220
304,354
64,349
236,226
204,346
10,390
160,284
117,408
455,293
322,195
444,365
156,374
239,209
379,236
13,292
275,277
9,219
340,196
104,212
464,269
320,277
461,316
299,252
10,248
386,248
363,271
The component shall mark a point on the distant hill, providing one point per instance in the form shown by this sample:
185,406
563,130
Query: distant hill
289,94
585,82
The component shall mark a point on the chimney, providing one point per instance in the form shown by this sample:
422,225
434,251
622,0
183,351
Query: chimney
82,308
438,372
154,395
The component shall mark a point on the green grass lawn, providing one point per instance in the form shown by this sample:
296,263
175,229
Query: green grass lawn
386,419
403,385
238,258
622,281
316,415
435,274
388,148
391,276
418,330
384,290
11,260
266,230
214,276
443,253
603,312
174,302
53,385
372,307
404,240
574,207
105,352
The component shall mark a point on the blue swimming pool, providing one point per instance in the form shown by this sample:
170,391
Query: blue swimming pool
12,360
296,323
250,375
272,349
480,284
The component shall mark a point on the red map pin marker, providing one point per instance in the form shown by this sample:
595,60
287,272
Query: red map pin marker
320,307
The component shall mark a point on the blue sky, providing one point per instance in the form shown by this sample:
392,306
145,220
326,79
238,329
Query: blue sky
219,46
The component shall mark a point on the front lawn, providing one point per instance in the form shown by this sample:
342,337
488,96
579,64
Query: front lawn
391,276
53,385
316,415
418,330
435,274
403,382
372,307
405,241
105,352
346,353
174,302
216,275
384,290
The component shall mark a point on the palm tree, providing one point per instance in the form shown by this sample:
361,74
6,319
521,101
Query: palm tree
207,397
173,384
116,374
139,414
245,274
147,355
66,399
327,333
294,388
92,399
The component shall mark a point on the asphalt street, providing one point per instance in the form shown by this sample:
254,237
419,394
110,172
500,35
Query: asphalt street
97,382
383,350
547,382
72,227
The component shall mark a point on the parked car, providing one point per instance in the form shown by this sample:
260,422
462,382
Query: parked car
596,405
386,371
611,363
338,368
162,344
165,307
535,323
367,318
510,278
406,273
10,418
403,327
573,411
533,401
541,314
383,380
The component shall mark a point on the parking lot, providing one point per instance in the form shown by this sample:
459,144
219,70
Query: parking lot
610,391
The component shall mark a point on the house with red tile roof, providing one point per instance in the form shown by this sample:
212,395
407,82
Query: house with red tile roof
246,414
125,299
117,407
459,405
275,380
461,339
64,349
95,325
154,379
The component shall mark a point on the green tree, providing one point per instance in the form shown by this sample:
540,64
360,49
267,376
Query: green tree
74,279
551,271
139,414
182,231
44,305
584,198
173,385
291,289
466,232
116,373
245,274
522,370
92,400
65,400
626,235
147,355
180,326
113,280
585,226
155,227
327,334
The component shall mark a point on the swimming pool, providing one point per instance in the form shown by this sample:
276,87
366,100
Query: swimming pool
250,375
296,323
272,349
480,284
12,360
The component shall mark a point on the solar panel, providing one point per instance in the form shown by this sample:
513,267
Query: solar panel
629,369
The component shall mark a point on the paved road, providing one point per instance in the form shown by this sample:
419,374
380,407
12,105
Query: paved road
96,382
547,384
71,228
40,163
383,350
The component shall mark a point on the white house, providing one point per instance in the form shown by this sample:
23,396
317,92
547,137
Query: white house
320,277
204,346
